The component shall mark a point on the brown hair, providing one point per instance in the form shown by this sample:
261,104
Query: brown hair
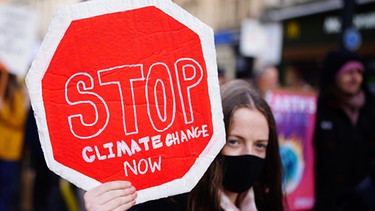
12,87
268,189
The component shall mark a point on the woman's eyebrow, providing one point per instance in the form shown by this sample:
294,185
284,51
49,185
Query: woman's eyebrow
235,135
263,140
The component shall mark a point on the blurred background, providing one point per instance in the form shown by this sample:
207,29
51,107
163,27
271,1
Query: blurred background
291,34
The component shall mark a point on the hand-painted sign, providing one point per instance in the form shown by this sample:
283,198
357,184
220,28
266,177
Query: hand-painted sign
128,90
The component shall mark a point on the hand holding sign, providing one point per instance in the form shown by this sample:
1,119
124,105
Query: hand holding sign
128,90
116,195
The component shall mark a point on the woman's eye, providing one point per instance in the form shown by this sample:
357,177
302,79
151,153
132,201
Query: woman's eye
232,142
261,146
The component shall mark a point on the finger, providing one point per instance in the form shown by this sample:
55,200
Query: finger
108,186
114,194
98,195
122,203
119,203
104,188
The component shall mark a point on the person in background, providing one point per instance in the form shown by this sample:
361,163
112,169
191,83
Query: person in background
370,76
266,78
49,191
46,193
294,79
221,75
362,198
14,102
344,138
246,175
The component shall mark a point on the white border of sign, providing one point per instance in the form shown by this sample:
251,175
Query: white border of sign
60,23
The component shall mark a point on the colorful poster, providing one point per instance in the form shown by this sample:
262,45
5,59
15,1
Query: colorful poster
294,113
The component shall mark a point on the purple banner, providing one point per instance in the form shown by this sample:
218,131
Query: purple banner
294,113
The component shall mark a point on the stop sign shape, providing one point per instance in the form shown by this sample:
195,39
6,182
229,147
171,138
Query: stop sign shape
128,90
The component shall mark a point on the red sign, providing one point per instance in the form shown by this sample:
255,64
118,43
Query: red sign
130,94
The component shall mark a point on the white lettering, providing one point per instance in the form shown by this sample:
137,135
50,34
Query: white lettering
98,155
179,137
79,91
107,150
189,75
156,142
123,148
159,92
362,21
109,146
295,104
157,88
88,159
126,91
135,147
145,141
142,166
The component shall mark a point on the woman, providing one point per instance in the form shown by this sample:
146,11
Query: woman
251,144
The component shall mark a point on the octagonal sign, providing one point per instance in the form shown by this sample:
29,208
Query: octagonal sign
128,90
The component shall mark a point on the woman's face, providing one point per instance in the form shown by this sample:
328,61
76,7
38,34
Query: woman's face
350,81
247,134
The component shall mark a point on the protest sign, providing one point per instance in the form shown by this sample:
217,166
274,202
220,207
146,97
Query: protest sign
18,33
128,90
294,113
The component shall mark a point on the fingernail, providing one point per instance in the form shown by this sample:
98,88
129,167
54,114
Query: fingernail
135,194
132,188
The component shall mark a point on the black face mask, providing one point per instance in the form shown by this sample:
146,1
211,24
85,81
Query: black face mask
241,172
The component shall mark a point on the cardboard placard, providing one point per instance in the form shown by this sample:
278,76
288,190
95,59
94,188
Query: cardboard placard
128,90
